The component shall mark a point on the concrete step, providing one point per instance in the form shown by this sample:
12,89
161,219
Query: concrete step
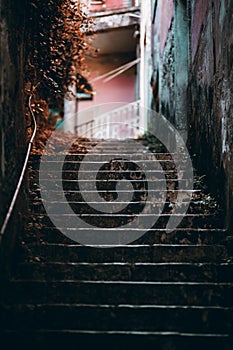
128,253
148,318
153,236
134,174
111,153
171,296
108,221
114,164
73,194
142,165
82,207
119,292
149,272
110,184
47,339
196,209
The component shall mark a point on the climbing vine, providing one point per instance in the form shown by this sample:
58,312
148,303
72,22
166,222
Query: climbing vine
57,42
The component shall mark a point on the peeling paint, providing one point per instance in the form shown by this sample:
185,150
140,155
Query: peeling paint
3,156
225,105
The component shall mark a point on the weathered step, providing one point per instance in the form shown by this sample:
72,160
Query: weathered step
120,292
188,236
125,149
132,174
129,253
153,236
46,339
110,162
115,164
110,184
119,166
158,187
153,272
148,318
131,153
56,193
82,207
117,220
39,206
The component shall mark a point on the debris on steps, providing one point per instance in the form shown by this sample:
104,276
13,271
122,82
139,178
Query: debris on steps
169,291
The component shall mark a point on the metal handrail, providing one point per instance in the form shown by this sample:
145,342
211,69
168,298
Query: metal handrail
85,123
85,126
15,196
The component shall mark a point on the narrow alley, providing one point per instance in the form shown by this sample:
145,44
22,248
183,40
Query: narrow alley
116,174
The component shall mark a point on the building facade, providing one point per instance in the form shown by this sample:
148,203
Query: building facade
112,65
95,6
192,83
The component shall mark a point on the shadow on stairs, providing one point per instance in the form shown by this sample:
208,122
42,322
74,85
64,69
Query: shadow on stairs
160,290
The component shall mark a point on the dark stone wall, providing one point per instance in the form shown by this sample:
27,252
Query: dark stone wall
12,120
193,85
211,92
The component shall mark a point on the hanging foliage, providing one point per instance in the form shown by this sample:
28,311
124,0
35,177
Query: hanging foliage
57,44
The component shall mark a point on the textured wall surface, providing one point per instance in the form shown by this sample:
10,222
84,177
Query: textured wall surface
12,128
211,133
171,53
167,77
193,53
163,58
200,10
163,21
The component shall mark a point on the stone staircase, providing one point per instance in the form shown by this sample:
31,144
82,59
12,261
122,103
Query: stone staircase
161,291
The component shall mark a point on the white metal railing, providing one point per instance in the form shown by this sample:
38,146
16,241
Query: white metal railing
120,123
86,129
127,3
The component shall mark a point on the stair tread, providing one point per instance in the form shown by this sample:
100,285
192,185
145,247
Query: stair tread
146,333
138,246
130,283
150,264
97,289
32,306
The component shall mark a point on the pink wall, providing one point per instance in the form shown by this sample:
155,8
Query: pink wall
199,19
113,4
163,20
119,89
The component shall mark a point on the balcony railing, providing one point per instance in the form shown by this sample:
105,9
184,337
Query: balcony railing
120,123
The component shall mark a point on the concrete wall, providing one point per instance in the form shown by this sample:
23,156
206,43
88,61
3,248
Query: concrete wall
171,61
167,77
12,127
163,20
211,88
193,83
144,52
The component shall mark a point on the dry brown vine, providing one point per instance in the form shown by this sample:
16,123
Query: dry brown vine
57,44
